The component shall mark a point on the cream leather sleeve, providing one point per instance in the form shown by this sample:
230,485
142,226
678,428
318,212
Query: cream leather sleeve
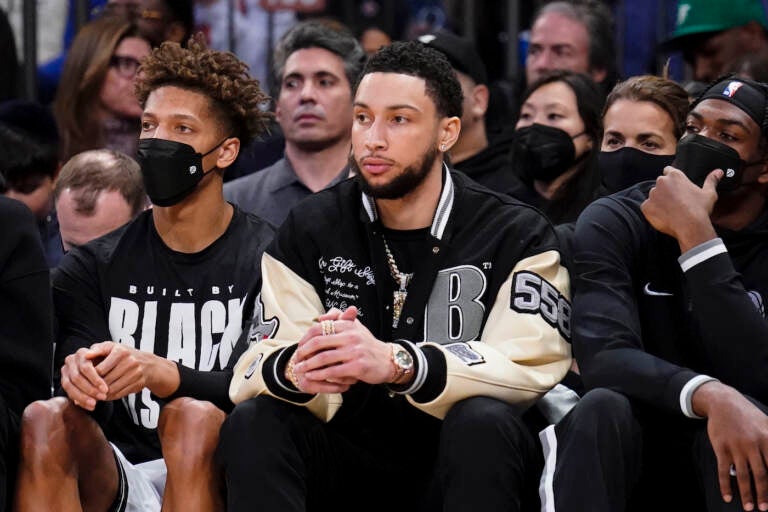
523,351
282,315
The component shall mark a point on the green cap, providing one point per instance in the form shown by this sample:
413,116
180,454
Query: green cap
702,16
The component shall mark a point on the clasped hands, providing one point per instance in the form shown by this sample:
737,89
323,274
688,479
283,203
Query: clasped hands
109,371
332,362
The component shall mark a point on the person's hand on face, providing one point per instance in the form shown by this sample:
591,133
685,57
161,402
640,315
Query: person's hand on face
678,208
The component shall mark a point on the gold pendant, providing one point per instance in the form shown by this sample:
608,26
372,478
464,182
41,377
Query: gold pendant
398,299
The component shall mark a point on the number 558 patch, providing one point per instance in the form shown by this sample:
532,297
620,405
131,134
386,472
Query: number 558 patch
533,294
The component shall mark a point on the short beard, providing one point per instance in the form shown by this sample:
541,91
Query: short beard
402,184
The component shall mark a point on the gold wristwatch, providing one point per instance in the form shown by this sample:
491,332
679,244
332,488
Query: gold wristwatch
403,362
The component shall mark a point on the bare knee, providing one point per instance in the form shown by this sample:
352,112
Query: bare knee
47,426
189,429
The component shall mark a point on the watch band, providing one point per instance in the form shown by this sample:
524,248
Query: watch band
399,369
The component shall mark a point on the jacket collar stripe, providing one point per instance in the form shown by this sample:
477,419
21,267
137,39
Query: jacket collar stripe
370,207
444,206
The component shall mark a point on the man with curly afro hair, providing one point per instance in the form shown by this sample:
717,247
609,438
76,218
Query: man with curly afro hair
150,315
411,314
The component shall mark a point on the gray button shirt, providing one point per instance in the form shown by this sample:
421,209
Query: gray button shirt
272,192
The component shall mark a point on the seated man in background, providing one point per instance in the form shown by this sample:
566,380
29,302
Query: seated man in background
714,36
576,36
166,291
474,154
97,191
315,68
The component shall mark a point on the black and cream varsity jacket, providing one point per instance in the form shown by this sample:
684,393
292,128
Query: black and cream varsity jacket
490,317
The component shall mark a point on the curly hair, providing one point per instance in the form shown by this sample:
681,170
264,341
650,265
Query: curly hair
235,97
417,59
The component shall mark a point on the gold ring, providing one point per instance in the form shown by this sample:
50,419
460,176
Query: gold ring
292,374
327,327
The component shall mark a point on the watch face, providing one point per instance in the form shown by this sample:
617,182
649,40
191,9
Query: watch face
403,359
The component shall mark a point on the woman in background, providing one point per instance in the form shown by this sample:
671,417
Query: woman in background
643,119
95,105
555,146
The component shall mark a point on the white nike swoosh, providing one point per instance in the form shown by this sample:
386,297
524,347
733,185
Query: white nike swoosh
647,290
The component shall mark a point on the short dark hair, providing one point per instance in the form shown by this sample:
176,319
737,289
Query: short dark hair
236,97
416,59
316,34
89,173
597,19
25,161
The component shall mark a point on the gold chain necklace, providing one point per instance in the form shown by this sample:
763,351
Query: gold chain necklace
402,279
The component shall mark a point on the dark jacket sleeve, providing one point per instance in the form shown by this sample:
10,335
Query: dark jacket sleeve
82,320
607,338
213,386
77,301
734,334
26,313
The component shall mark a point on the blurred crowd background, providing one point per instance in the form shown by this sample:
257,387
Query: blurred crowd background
40,30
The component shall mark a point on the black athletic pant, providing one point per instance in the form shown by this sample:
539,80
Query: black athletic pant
9,453
278,457
614,456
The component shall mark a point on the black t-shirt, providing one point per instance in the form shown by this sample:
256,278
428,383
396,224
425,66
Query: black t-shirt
129,287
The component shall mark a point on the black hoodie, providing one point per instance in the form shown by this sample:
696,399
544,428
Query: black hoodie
648,320
491,166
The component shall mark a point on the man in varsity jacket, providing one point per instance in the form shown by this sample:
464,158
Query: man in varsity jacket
669,315
406,318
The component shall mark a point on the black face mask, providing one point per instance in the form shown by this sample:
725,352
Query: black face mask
544,152
697,156
171,169
627,166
